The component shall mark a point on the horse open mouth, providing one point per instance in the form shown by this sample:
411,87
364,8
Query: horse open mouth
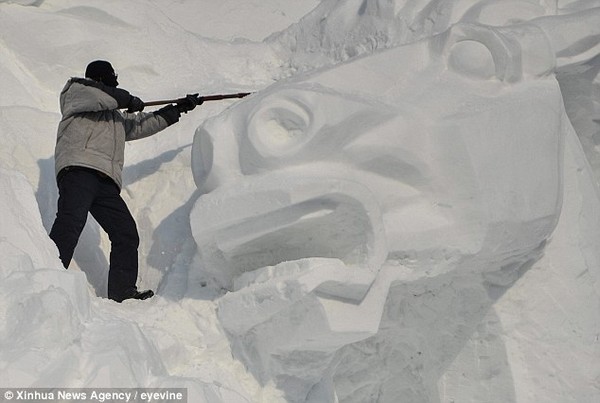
274,219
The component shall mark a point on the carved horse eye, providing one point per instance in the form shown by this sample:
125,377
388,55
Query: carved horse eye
280,128
479,52
473,59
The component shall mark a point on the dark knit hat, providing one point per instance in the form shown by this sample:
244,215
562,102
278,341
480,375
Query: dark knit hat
101,70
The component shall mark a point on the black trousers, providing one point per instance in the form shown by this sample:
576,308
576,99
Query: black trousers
83,190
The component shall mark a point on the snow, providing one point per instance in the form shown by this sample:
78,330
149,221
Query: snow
405,209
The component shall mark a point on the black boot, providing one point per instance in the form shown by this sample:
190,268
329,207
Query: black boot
136,295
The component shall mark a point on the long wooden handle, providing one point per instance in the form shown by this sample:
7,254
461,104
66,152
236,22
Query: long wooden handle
200,97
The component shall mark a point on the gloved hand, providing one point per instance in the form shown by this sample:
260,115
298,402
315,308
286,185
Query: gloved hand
135,105
170,113
189,103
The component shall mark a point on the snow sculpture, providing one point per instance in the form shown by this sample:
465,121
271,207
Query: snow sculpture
331,197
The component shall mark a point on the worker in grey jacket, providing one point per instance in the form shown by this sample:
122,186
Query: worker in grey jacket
89,159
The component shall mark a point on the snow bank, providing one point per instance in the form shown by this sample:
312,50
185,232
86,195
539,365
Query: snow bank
43,306
55,334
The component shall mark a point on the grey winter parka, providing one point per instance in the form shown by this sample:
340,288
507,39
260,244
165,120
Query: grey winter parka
93,131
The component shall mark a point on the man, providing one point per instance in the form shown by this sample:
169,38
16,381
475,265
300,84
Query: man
89,158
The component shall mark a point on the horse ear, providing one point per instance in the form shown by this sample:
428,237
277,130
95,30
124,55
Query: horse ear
573,38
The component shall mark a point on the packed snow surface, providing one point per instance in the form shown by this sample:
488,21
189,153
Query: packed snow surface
405,209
